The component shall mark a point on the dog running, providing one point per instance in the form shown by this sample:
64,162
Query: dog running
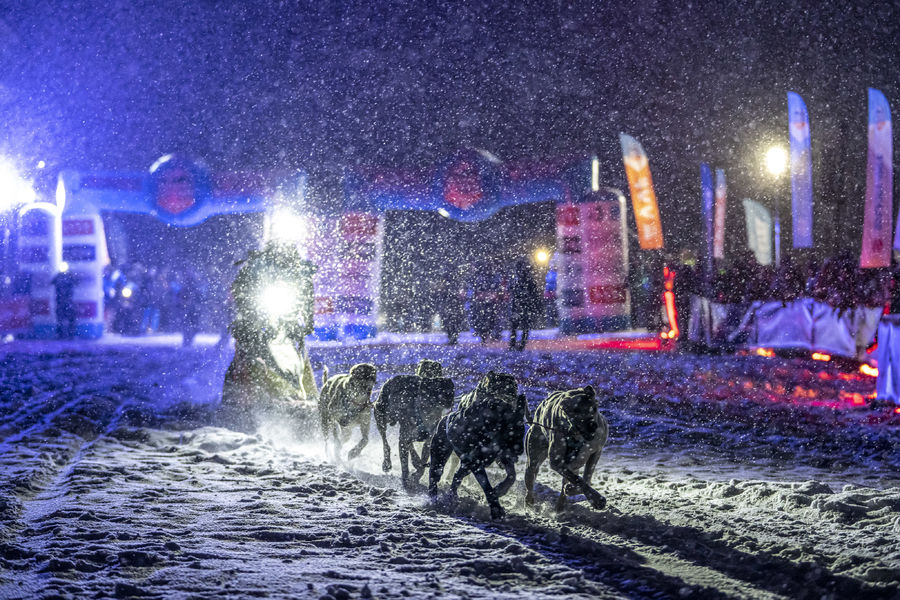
569,431
344,403
488,426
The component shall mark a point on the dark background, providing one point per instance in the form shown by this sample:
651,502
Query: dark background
325,86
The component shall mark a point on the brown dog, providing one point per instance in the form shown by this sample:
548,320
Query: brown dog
344,403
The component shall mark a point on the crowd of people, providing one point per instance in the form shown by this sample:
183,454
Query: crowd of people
494,298
140,300
837,281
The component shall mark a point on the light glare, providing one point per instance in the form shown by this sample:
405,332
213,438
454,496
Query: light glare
14,190
776,160
287,226
277,300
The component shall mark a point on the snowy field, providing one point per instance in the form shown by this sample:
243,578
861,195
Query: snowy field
726,476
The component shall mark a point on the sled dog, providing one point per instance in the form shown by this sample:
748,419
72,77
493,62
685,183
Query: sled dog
488,425
569,431
415,403
344,403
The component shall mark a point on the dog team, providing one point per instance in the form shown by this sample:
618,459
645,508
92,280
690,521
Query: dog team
488,425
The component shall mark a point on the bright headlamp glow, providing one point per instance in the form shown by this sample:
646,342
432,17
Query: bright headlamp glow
277,300
541,257
287,226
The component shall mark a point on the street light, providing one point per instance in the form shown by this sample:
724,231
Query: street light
776,161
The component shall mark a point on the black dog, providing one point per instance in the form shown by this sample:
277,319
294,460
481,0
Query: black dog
416,404
488,425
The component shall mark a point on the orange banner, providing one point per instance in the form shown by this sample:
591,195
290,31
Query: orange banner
643,198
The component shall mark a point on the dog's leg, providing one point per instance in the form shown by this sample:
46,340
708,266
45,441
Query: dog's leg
381,423
493,501
417,460
509,464
364,426
573,482
589,467
404,450
561,501
461,472
419,464
440,452
596,499
536,453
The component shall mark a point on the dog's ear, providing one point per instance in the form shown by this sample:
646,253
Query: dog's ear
589,390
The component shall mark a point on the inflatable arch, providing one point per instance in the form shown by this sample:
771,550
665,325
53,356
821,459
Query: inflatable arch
346,241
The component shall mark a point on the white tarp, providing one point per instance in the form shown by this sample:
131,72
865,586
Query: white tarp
803,324
887,386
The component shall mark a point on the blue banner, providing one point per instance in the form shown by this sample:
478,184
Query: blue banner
801,173
879,212
707,195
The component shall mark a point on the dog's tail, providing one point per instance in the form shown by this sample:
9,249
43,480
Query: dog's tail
324,374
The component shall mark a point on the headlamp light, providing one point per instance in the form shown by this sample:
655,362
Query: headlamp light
277,300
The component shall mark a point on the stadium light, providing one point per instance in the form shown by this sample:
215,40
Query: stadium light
14,190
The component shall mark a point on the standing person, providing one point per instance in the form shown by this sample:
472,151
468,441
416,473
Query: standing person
450,308
65,282
525,303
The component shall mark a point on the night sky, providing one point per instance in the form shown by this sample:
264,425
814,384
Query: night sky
269,85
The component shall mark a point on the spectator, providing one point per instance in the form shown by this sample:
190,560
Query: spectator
65,282
525,304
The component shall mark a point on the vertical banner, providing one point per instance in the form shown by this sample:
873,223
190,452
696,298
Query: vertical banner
570,272
643,198
605,262
759,231
879,214
347,248
706,196
719,221
84,251
39,255
801,173
592,264
356,305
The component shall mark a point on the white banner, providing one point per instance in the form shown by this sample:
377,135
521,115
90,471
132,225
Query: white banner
759,231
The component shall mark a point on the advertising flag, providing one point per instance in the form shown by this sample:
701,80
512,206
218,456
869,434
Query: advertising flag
643,198
706,195
759,231
801,172
879,214
719,221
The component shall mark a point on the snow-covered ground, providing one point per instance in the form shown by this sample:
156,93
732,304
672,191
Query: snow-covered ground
726,476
